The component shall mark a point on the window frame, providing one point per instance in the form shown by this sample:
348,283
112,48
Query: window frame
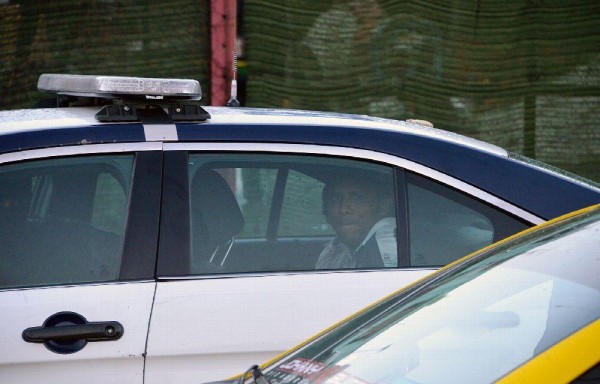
172,254
140,240
498,219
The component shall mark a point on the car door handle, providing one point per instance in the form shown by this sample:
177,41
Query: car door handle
97,331
69,332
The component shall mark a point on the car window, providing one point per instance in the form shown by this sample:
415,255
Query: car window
276,213
63,219
301,212
446,224
110,201
252,213
254,193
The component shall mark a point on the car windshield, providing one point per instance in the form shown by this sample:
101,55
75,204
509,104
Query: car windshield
474,323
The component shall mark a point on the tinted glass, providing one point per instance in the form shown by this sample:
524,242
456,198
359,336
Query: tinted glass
446,224
475,324
255,212
277,213
301,213
63,220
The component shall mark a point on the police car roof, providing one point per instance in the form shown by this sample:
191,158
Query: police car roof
133,100
14,121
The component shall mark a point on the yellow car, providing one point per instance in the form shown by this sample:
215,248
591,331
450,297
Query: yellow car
525,310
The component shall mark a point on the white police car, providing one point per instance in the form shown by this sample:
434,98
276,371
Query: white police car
148,239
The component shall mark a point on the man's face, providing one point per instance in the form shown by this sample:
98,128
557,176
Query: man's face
352,209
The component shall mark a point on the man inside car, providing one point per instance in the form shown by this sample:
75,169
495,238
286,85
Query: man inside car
360,208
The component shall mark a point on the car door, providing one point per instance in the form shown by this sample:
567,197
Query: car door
238,278
79,231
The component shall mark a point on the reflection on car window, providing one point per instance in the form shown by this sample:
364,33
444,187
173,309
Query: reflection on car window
254,192
253,213
62,220
301,213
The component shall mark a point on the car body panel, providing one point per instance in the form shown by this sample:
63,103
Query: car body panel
98,362
213,324
564,362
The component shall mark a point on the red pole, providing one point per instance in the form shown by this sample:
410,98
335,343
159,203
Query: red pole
223,29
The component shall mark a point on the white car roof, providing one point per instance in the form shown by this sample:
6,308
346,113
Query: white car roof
13,121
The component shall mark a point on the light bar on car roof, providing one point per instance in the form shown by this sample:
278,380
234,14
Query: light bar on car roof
115,86
149,100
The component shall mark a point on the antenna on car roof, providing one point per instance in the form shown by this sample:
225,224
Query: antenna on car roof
233,101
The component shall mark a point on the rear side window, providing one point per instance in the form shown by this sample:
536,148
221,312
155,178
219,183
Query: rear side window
63,220
255,212
445,224
258,212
